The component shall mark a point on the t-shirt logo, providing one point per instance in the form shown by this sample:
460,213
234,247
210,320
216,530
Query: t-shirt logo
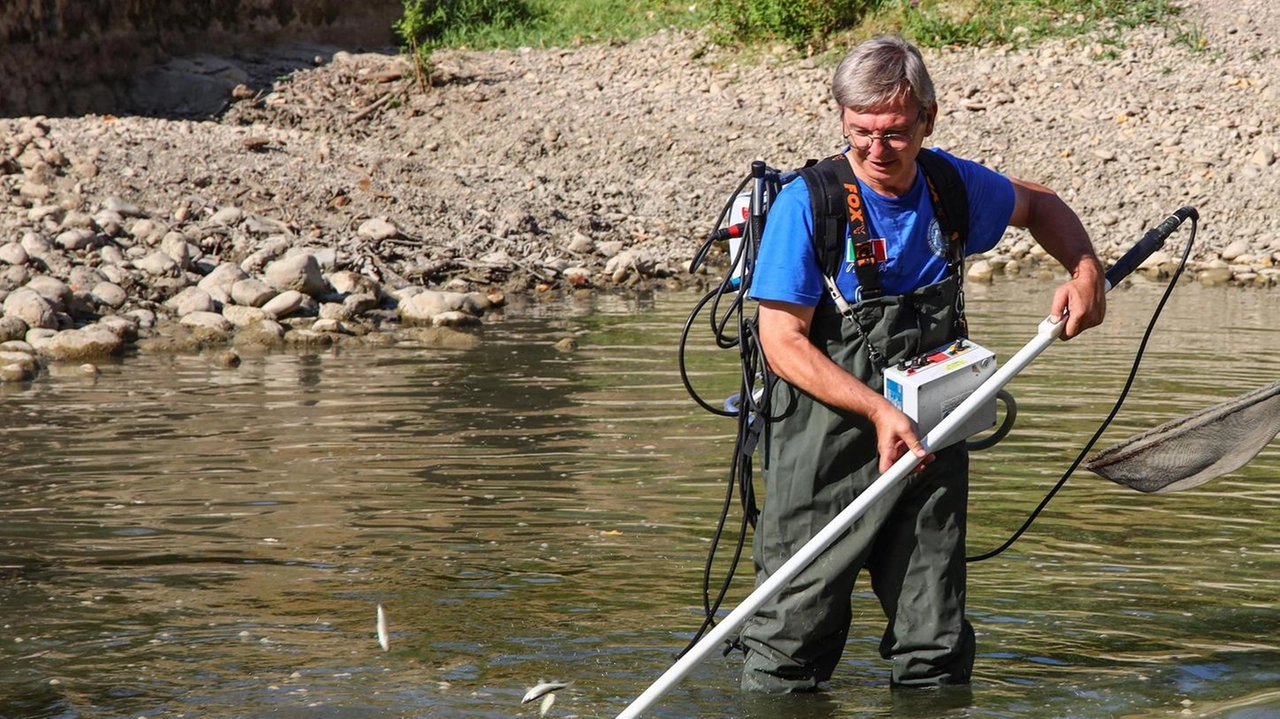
937,242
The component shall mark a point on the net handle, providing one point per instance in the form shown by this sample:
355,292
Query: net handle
1150,242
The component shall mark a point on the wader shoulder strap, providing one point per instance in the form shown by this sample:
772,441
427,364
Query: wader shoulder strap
837,206
951,208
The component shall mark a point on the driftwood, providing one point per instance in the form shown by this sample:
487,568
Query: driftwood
371,108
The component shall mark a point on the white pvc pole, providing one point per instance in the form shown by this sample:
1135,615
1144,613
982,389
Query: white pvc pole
1045,336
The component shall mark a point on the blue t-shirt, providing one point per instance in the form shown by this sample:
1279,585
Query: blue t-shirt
914,248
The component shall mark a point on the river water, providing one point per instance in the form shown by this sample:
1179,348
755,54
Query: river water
182,539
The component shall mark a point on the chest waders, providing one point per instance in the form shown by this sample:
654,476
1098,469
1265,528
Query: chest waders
816,461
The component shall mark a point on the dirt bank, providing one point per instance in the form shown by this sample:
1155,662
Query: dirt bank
599,167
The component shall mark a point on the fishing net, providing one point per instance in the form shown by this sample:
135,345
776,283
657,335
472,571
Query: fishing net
1192,450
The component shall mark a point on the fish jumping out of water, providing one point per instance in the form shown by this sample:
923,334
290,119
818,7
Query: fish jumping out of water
383,640
543,687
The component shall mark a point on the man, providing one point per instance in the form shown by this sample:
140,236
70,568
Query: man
837,433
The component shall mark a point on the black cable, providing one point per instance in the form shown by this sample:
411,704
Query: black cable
1124,393
684,371
701,255
1010,416
728,285
708,606
750,411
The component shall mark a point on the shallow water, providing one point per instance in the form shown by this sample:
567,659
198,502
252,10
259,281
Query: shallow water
183,539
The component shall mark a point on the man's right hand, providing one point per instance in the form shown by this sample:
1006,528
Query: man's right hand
895,437
784,337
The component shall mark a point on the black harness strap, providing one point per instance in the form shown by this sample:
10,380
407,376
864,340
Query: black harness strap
950,202
951,207
838,213
830,218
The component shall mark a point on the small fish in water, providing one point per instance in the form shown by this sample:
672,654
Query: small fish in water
547,701
541,688
383,640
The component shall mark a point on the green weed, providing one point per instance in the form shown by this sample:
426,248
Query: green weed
1191,37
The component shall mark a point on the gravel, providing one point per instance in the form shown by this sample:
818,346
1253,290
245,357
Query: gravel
555,170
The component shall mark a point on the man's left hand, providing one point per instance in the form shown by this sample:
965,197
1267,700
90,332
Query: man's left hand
1082,299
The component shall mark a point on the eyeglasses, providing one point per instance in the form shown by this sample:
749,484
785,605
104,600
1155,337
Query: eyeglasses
895,141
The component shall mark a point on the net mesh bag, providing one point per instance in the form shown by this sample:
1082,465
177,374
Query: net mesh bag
1194,449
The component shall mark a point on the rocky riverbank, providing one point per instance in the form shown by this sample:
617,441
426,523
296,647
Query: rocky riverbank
347,201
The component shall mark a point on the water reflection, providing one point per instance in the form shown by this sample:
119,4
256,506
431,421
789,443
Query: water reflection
184,539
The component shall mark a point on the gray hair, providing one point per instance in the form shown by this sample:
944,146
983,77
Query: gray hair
881,71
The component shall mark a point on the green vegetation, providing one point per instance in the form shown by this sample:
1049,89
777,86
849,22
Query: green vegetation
1191,37
434,23
812,24
482,24
938,23
796,21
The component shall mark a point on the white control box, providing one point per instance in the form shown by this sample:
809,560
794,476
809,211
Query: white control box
929,387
